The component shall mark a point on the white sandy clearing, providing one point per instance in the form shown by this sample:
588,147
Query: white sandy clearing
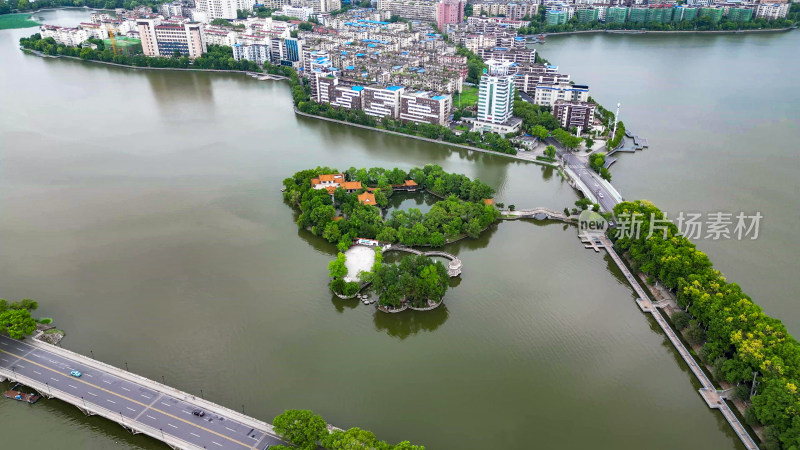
358,258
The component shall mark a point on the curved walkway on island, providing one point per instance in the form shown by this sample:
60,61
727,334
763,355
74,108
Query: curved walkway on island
453,269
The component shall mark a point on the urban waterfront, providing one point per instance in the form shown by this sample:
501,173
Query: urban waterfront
155,195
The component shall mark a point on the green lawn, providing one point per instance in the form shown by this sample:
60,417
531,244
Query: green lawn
11,21
469,97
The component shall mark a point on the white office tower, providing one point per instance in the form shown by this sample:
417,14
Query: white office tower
223,9
496,94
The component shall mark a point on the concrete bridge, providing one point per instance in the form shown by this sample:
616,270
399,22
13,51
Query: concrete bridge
538,214
453,268
138,404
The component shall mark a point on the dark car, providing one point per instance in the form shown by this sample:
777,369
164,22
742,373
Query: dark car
199,412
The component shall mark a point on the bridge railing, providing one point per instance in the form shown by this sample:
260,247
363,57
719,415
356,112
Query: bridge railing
206,404
91,408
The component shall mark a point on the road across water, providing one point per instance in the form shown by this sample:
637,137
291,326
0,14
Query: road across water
134,401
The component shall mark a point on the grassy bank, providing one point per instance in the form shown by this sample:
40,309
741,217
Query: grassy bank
14,21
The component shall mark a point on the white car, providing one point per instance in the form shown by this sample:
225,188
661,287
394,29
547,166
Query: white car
600,194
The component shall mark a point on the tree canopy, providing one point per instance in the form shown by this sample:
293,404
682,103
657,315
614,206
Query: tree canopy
738,337
301,427
15,318
341,218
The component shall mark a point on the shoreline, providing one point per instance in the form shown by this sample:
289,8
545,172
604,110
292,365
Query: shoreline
435,141
107,63
640,32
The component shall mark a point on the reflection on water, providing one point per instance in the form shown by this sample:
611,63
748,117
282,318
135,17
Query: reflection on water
171,90
403,201
407,323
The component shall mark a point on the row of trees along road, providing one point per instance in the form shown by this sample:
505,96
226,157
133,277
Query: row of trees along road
309,431
343,218
738,339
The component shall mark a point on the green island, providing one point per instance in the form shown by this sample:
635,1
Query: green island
744,347
308,431
354,208
348,208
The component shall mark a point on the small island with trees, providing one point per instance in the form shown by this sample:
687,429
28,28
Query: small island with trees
349,209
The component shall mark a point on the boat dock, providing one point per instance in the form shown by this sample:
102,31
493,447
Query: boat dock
20,396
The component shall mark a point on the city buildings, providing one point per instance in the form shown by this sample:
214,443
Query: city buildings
449,11
302,12
258,53
223,9
547,94
64,35
425,106
382,101
159,39
422,10
496,93
574,114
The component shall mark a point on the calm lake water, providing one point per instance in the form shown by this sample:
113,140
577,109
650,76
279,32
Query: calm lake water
142,209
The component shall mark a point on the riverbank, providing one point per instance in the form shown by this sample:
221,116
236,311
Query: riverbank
44,55
634,32
435,141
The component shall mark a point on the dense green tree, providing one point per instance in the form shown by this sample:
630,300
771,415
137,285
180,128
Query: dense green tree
17,323
301,427
337,267
550,151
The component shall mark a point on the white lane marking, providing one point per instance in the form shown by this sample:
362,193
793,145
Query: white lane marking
4,359
37,372
196,435
145,396
88,375
91,393
231,429
148,415
187,412
131,408
4,343
214,442
112,401
123,387
53,379
73,387
173,426
165,404
20,365
107,382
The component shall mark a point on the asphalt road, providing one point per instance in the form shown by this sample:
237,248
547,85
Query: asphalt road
588,176
172,415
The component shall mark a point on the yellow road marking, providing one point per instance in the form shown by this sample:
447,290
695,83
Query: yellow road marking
129,399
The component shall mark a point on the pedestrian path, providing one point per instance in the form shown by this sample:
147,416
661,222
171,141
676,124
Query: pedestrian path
709,393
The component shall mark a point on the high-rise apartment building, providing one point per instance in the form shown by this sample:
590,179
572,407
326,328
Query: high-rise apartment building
449,11
496,92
